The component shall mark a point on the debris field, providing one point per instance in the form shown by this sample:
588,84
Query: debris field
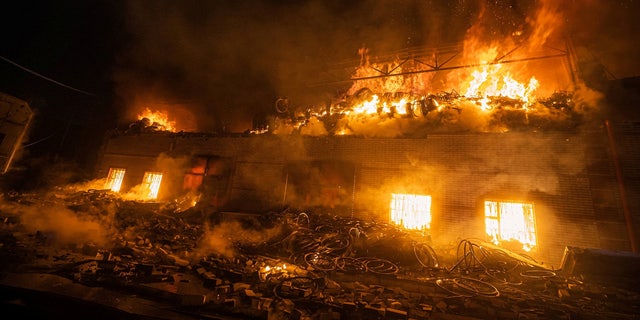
157,261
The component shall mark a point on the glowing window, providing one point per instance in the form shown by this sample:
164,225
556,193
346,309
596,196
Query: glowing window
411,211
509,221
114,179
151,183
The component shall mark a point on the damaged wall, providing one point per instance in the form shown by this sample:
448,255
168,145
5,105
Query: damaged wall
569,177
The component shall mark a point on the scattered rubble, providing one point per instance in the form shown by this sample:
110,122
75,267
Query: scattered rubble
311,266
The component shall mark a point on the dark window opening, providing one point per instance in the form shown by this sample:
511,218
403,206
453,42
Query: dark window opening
209,176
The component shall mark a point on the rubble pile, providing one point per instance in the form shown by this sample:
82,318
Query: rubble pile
311,266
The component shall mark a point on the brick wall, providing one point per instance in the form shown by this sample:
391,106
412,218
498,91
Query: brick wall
626,139
570,178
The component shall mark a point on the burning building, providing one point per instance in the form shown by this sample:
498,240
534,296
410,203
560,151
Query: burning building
478,180
524,187
517,159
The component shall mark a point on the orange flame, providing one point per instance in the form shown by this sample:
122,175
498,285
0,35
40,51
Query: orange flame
398,96
411,211
505,221
159,119
114,179
490,81
147,190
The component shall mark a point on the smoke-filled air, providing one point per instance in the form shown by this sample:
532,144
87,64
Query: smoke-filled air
370,68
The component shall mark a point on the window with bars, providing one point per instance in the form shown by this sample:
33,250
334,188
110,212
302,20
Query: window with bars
151,183
114,179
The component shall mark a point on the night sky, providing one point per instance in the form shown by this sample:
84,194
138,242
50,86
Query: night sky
226,62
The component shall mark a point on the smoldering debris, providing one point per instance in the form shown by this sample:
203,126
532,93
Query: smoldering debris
284,265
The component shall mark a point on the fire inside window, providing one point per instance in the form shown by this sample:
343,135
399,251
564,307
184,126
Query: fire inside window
114,179
411,211
151,182
508,221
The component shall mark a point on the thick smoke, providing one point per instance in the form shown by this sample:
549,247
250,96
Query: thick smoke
227,62
608,33
223,238
222,64
58,225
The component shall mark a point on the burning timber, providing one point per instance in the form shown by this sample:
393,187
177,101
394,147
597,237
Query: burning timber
400,114
145,260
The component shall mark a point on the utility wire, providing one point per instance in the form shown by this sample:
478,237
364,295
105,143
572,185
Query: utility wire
47,78
36,142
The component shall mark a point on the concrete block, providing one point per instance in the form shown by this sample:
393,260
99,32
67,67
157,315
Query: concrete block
395,314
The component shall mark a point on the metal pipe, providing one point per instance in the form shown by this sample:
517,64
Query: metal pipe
353,193
284,194
475,65
18,142
623,197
